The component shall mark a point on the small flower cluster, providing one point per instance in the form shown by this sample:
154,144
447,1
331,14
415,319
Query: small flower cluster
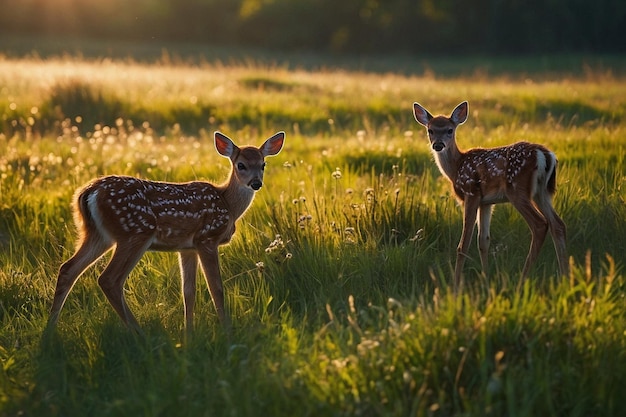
277,249
304,218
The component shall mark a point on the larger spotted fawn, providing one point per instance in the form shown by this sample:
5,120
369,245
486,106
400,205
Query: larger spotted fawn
134,215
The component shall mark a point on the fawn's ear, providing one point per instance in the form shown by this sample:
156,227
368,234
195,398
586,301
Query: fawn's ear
459,114
421,114
224,145
273,145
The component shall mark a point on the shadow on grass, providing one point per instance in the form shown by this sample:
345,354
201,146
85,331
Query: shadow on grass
96,370
86,105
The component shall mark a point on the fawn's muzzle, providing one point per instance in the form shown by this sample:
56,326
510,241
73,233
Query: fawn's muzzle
438,146
255,184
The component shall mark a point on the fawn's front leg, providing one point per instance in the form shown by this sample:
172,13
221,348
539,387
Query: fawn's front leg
209,259
470,208
484,224
188,261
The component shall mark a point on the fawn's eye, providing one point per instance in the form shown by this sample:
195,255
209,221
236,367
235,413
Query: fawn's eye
450,131
241,166
263,166
430,131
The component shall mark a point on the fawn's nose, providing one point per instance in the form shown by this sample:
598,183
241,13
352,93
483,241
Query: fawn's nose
256,184
438,146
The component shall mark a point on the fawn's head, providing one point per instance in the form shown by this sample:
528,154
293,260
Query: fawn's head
441,129
248,162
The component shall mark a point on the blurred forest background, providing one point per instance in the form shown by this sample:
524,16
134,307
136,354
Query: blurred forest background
338,26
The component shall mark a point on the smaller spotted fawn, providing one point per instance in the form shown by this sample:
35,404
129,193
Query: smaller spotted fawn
136,215
523,174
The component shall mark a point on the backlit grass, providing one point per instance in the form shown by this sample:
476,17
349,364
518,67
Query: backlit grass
338,278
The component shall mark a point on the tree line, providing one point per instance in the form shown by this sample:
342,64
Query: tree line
339,26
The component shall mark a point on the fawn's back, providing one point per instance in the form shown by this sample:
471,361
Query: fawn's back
174,215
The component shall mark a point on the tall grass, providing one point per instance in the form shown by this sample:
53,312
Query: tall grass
338,276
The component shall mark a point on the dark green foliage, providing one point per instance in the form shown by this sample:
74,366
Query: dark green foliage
349,26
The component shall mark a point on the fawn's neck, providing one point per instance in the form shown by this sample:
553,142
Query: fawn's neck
448,160
238,196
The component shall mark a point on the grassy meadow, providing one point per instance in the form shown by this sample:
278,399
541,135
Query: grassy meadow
339,276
